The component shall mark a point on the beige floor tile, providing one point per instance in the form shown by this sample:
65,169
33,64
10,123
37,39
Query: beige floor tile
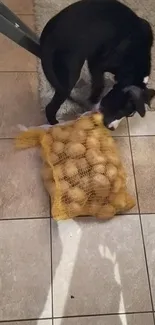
19,103
14,57
141,319
22,194
144,161
98,267
25,269
142,126
20,6
31,322
122,129
124,149
148,222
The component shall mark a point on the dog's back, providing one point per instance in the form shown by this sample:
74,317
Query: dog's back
87,24
104,30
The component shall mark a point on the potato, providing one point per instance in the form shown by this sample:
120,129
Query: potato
108,143
74,209
111,197
74,180
122,173
119,201
92,143
96,133
93,208
98,118
60,134
47,172
111,171
76,194
47,139
64,186
78,136
75,150
58,147
101,185
50,187
53,158
58,172
130,202
82,165
84,183
94,157
70,168
99,169
117,185
84,123
107,211
56,132
112,158
66,134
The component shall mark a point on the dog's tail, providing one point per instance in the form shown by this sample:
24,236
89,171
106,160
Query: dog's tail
55,63
51,70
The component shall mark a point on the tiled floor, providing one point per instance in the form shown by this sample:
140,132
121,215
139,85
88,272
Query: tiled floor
102,273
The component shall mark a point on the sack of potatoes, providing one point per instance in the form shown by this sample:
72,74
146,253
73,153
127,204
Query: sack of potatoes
82,171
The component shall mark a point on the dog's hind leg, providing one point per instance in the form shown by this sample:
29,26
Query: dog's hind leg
97,80
52,108
68,80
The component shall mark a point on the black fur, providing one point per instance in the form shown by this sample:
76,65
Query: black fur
120,103
106,33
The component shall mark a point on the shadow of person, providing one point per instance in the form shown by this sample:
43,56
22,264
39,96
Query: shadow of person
104,272
94,286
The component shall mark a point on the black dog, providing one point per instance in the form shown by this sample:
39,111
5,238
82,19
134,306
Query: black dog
111,37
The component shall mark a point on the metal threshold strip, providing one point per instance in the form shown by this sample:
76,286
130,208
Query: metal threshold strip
12,27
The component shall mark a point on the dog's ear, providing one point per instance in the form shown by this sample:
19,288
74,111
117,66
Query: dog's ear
149,94
136,95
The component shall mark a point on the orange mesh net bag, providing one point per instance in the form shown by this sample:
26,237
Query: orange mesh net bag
81,170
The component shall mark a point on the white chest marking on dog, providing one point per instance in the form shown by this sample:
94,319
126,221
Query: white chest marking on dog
115,124
146,80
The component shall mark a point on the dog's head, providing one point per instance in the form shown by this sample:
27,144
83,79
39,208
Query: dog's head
130,93
120,103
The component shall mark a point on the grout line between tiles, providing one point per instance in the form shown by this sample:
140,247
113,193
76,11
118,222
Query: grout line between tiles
44,218
133,168
7,138
26,218
51,238
147,268
51,267
100,315
76,316
19,71
142,136
141,226
24,320
39,99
